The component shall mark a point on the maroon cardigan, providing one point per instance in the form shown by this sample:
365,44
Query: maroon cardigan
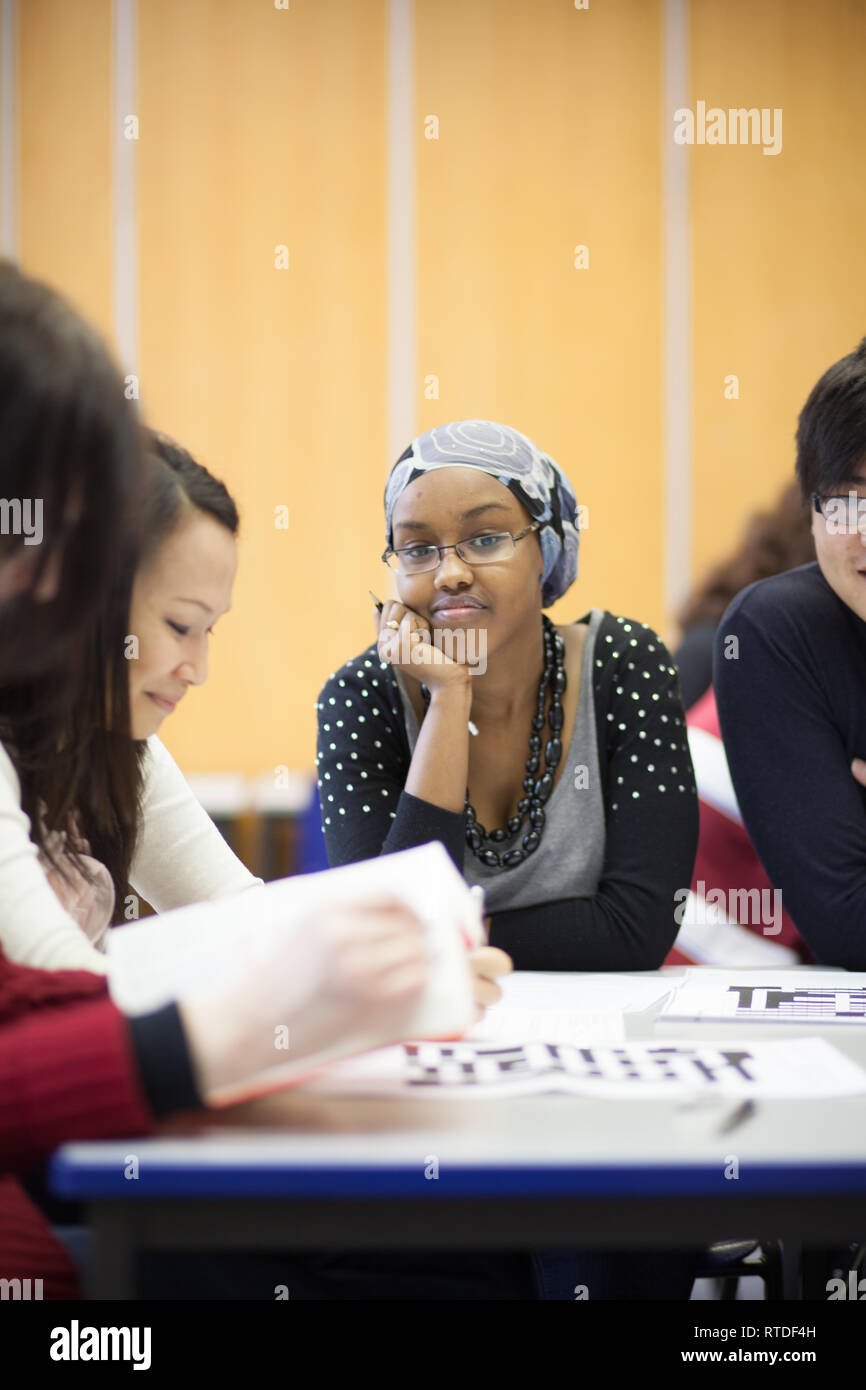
68,1071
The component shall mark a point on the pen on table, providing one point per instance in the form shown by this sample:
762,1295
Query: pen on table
379,606
737,1117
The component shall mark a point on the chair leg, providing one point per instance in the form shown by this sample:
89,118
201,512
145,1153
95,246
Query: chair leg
818,1266
774,1287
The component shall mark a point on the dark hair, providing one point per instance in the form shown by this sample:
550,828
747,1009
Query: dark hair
109,805
69,439
773,541
831,431
180,484
102,800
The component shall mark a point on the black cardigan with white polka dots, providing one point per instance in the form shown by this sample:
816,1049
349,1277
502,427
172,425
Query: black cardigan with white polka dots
651,805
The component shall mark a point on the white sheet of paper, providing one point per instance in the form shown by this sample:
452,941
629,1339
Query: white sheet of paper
551,1006
609,993
801,996
207,946
799,1067
502,1024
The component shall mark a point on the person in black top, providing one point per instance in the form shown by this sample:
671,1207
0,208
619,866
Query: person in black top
415,745
790,680
772,541
552,763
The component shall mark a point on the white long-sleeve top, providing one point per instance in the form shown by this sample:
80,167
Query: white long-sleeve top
180,858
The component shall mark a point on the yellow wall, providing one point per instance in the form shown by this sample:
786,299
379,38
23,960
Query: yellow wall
549,139
261,127
779,269
64,115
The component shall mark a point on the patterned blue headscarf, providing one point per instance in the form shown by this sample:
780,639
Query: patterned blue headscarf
508,455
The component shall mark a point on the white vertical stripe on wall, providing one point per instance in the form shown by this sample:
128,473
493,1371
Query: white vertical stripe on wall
402,267
677,311
124,98
9,128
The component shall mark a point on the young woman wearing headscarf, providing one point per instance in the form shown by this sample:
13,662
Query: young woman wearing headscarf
551,761
555,769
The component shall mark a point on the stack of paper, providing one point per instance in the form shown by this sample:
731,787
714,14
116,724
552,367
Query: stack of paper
635,1071
795,997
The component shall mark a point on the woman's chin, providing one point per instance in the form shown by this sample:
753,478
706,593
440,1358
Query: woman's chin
147,722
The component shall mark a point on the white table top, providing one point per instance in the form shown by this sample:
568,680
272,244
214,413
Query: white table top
294,1132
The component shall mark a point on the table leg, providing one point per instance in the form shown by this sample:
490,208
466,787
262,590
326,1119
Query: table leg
110,1271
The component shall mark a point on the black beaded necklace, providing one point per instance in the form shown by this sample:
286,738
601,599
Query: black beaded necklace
536,790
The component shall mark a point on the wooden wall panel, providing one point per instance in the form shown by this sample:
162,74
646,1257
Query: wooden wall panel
64,90
262,128
549,138
779,271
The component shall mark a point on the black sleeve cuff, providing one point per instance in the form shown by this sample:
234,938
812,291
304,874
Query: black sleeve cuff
418,822
576,934
164,1063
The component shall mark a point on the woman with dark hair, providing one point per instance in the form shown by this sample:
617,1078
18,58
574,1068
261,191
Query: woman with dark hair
790,681
134,822
72,1066
62,398
773,541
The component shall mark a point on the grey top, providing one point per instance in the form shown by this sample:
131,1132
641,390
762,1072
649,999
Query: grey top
570,857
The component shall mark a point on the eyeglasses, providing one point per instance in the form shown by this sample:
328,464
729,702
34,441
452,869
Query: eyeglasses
843,515
477,550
